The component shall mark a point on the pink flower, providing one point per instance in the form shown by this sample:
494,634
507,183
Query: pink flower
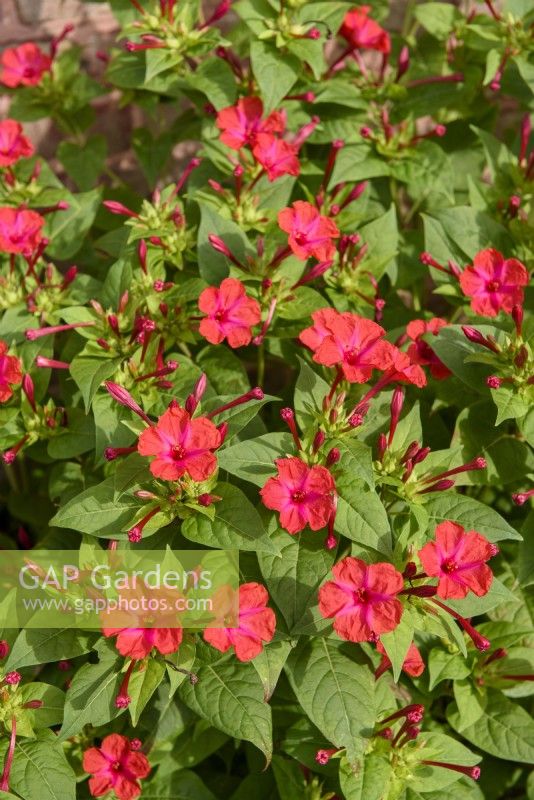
362,599
115,766
182,446
354,343
255,624
413,664
276,156
137,643
310,234
303,495
231,313
458,559
240,124
420,352
362,32
494,283
24,65
10,373
20,230
13,144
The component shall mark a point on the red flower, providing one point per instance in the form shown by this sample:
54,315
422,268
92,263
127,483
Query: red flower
362,32
115,766
138,642
323,321
458,559
361,598
353,342
20,230
420,352
10,373
231,313
413,663
181,445
303,495
310,234
240,124
494,283
13,144
24,65
256,623
276,156
404,369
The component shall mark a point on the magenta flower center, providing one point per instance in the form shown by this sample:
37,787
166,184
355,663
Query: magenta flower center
298,496
116,765
362,595
449,565
493,286
351,356
178,452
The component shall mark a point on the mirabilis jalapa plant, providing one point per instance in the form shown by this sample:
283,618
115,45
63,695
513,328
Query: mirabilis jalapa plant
311,342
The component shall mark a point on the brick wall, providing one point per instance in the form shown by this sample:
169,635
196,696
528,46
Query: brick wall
40,20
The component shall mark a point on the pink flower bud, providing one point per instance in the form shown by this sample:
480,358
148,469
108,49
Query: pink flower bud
122,701
333,457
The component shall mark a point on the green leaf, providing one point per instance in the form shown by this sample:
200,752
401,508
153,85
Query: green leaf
289,778
78,438
216,80
444,665
90,373
335,691
91,697
97,511
382,237
360,516
269,664
40,770
275,72
510,404
67,229
224,369
310,391
230,697
505,729
180,785
437,746
469,513
152,152
471,230
253,460
212,265
84,163
396,644
293,577
437,18
236,524
356,161
470,701
34,646
143,683
368,780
